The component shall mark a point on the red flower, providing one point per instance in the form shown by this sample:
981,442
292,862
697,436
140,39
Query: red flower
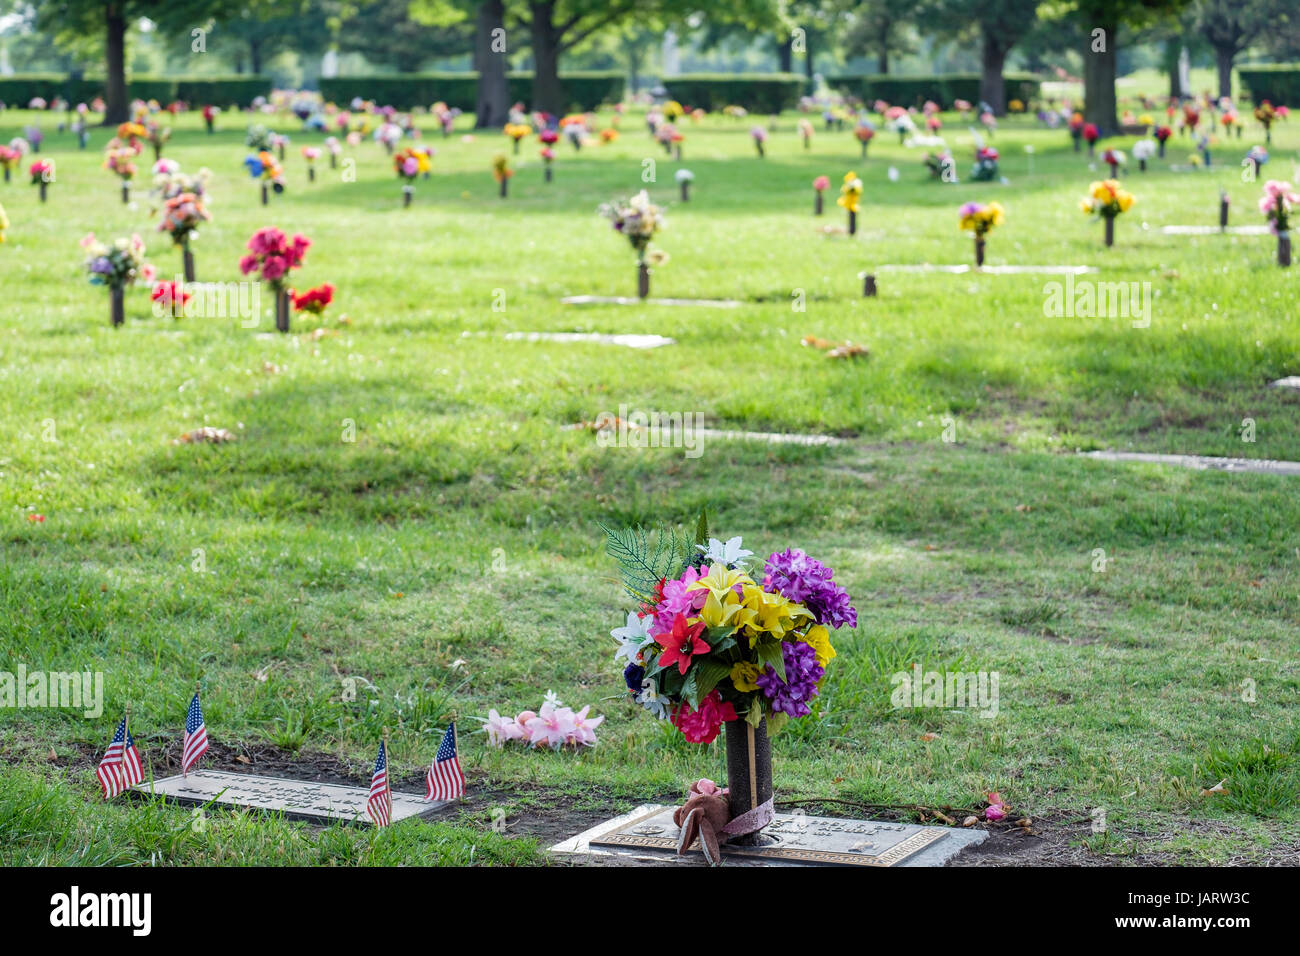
702,726
1090,132
36,519
682,643
314,300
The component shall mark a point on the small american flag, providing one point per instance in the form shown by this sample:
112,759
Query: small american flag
380,804
121,767
444,779
196,736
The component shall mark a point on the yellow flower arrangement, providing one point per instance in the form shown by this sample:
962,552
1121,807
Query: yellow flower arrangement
850,192
980,218
517,131
1107,198
501,170
1016,106
4,223
672,110
1146,120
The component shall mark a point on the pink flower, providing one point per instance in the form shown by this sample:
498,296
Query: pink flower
299,249
821,182
248,264
552,726
996,809
274,268
702,726
500,729
148,272
584,730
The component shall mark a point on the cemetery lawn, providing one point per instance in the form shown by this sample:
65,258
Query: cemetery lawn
449,559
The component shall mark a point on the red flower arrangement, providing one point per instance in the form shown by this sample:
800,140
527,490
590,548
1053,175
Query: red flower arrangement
1091,133
170,298
42,171
314,300
272,255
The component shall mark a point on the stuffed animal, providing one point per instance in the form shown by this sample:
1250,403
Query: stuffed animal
706,811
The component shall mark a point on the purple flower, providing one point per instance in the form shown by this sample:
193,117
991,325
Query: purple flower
802,672
633,674
807,581
102,265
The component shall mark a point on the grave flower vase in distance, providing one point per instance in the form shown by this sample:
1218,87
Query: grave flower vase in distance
1110,230
117,306
1284,248
979,251
642,279
282,310
749,772
187,259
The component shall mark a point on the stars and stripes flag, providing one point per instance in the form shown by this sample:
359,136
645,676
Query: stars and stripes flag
445,779
121,768
196,736
380,805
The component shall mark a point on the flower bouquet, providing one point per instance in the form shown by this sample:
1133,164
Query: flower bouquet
266,168
553,725
1229,120
280,142
1277,204
333,147
121,163
684,178
548,157
210,117
980,218
271,257
670,138
408,164
806,130
157,136
517,132
502,172
865,131
709,645
940,164
314,300
1163,135
42,173
170,298
1107,199
116,266
638,219
1113,158
575,129
985,169
1076,129
1256,157
1090,136
182,215
1143,150
258,138
820,185
10,157
1266,114
759,135
850,199
311,154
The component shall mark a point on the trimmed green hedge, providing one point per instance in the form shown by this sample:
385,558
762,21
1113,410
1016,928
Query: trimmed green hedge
756,92
19,90
585,90
1279,83
943,88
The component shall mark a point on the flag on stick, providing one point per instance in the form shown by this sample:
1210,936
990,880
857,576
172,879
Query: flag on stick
445,780
121,768
380,805
196,736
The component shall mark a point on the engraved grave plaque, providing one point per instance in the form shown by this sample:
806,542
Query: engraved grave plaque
790,838
296,799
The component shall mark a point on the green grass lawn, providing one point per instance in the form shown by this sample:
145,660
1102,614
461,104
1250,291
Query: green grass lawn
449,558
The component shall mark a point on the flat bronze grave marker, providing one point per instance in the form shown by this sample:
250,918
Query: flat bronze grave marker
649,834
296,799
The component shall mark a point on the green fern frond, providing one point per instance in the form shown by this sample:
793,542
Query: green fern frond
642,563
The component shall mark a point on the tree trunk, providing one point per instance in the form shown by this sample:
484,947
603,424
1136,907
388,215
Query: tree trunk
993,88
255,56
1099,82
548,91
882,55
115,101
1172,48
785,55
1223,58
493,107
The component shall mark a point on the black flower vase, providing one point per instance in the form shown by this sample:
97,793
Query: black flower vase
853,223
126,193
749,772
334,161
505,186
817,202
1284,249
407,193
642,280
549,172
686,190
1223,214
1110,230
187,261
311,174
266,197
282,310
979,252
44,192
117,306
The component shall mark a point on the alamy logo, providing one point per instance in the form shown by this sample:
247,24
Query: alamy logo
1088,299
946,690
636,429
133,910
79,691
